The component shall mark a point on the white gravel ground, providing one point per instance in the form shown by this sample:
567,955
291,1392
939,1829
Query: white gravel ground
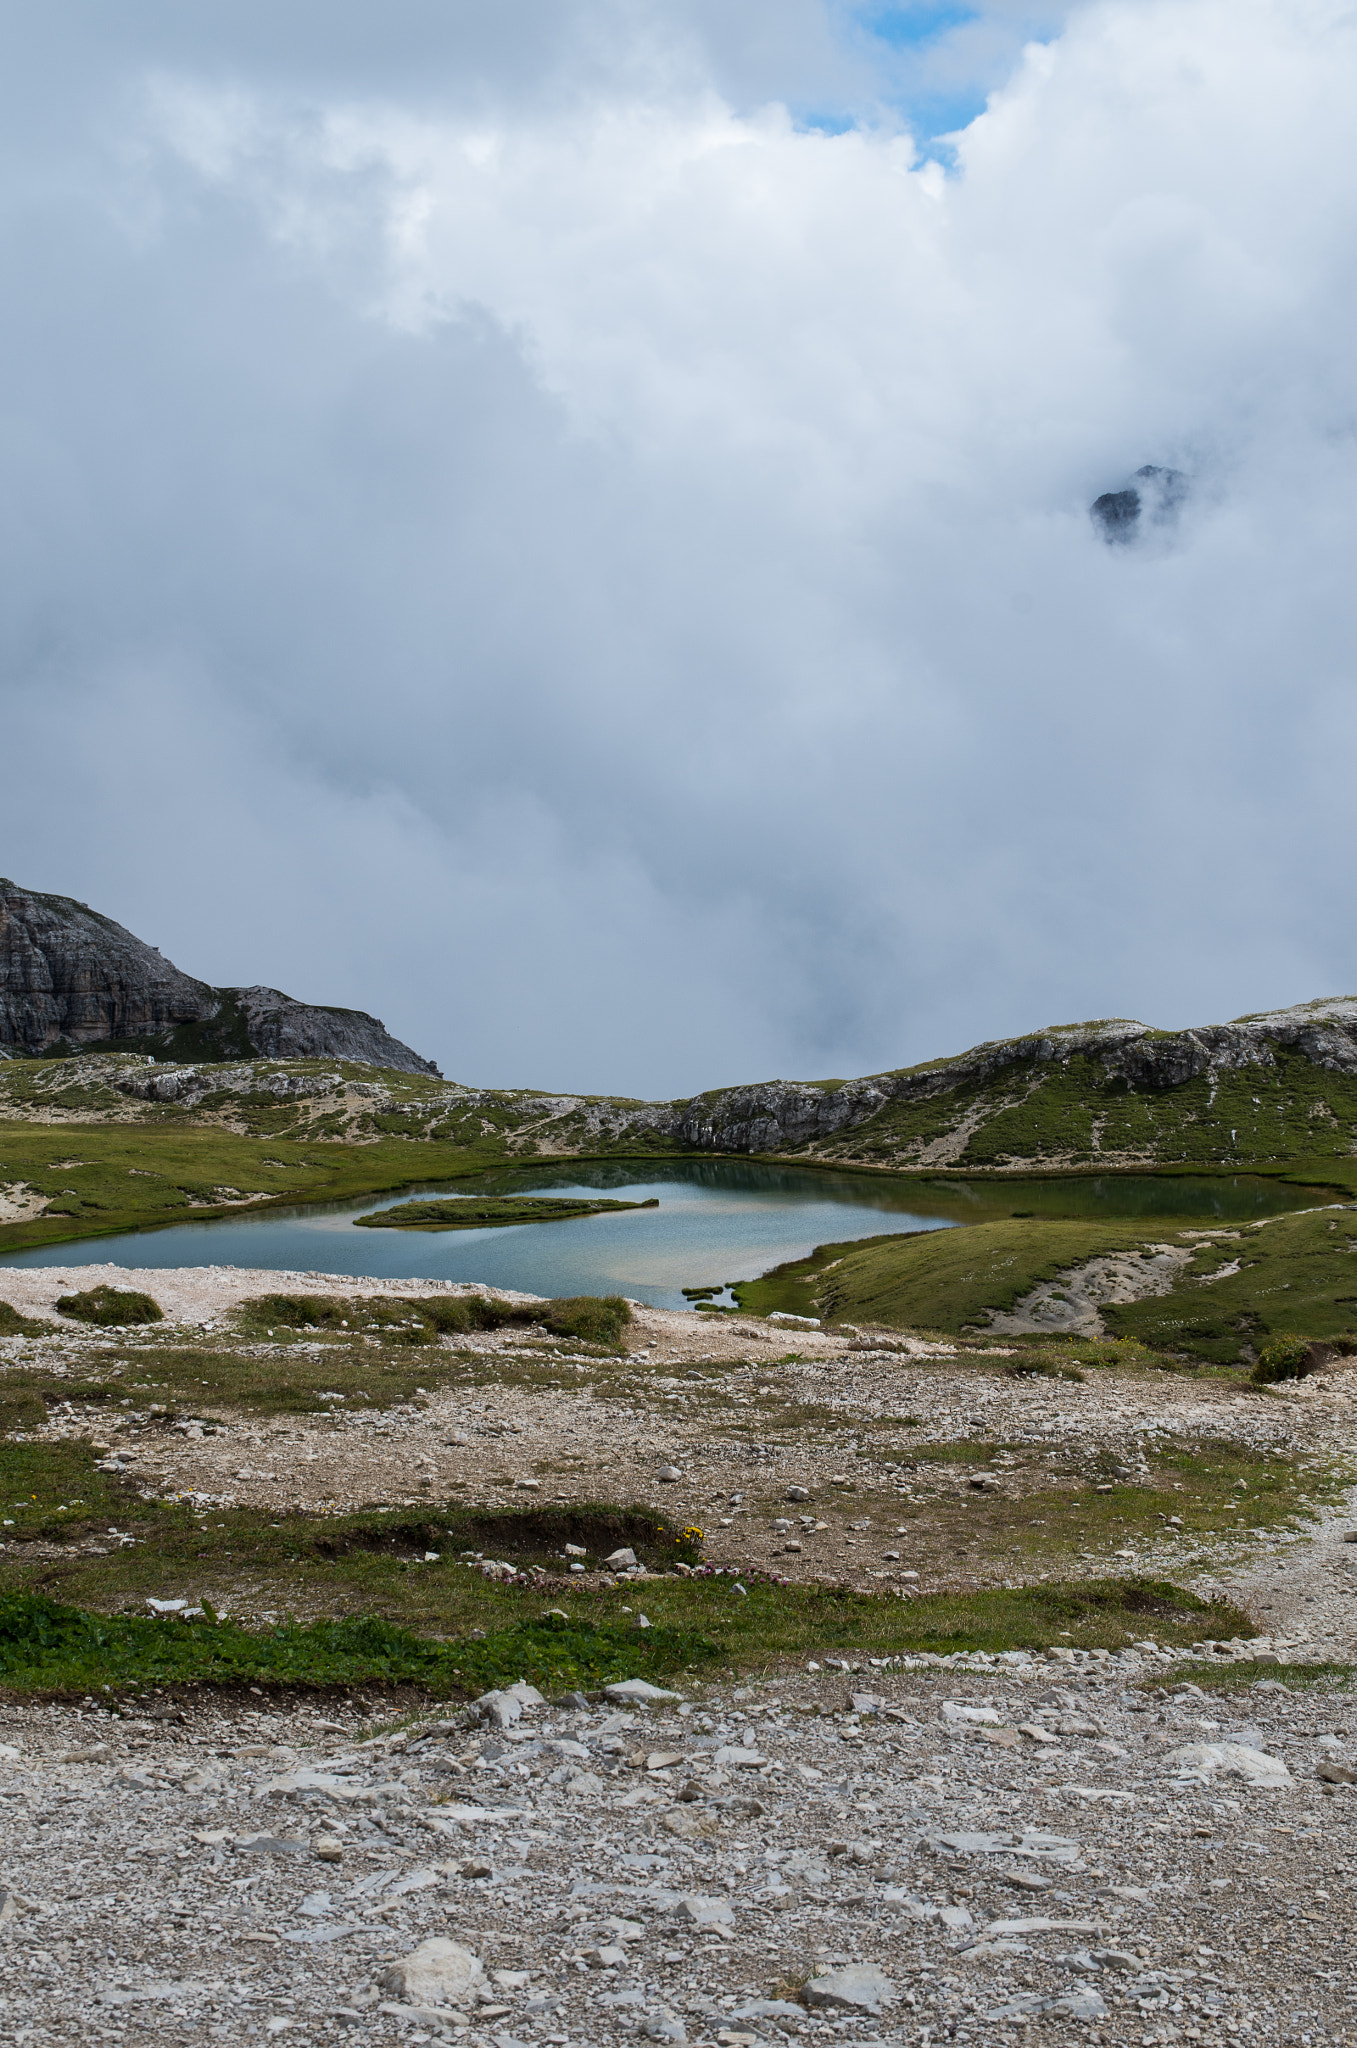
682,1872
1057,1860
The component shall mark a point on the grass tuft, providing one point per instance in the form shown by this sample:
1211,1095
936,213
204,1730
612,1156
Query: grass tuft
110,1307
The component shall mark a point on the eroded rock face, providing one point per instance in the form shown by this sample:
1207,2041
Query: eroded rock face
68,973
281,1028
70,976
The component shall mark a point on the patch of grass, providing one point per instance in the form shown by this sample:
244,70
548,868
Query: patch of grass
110,1307
12,1324
1297,1278
54,1646
50,1491
50,1647
1231,1677
490,1212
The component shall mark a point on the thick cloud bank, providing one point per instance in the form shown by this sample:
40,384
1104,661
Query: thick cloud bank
512,528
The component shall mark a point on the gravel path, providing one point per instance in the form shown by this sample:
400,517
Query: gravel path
993,1852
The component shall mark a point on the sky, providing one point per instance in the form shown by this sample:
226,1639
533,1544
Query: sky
565,523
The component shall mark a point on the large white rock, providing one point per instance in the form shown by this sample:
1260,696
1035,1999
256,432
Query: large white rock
638,1689
438,1972
858,1987
1231,1760
704,1912
1039,1924
500,1709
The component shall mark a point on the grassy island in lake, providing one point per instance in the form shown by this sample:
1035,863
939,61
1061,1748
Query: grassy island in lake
466,1212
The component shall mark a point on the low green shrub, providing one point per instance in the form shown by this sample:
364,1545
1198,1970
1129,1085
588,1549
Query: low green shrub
1285,1358
110,1307
591,1318
409,1319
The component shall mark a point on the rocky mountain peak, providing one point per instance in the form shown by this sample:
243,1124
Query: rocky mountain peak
69,976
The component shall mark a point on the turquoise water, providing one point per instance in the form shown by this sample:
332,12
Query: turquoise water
719,1220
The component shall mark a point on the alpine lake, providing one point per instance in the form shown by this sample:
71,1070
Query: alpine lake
716,1222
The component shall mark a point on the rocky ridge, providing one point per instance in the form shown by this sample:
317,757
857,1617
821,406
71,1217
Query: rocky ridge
71,977
771,1115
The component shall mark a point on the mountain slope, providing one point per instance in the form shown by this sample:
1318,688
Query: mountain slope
71,977
1276,1087
1117,1093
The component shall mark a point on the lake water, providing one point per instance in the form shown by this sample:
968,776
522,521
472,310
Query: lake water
719,1220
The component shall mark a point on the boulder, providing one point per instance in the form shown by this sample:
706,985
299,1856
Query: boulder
857,1987
1231,1760
438,1972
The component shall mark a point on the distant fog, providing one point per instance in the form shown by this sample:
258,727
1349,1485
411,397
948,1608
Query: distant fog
567,524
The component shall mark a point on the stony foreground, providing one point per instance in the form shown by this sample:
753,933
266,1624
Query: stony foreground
713,1423
990,1852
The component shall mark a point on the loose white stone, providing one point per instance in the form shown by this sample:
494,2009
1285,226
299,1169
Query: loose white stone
1231,1759
438,1972
858,1987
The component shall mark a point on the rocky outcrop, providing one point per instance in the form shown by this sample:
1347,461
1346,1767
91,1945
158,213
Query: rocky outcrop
70,977
771,1115
1153,492
284,1029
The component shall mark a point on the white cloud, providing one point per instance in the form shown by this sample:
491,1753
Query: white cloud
603,573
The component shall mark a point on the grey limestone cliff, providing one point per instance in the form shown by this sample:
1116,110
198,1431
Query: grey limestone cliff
71,977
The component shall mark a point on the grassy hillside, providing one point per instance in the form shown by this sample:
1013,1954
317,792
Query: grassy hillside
937,1279
1296,1276
1072,1112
